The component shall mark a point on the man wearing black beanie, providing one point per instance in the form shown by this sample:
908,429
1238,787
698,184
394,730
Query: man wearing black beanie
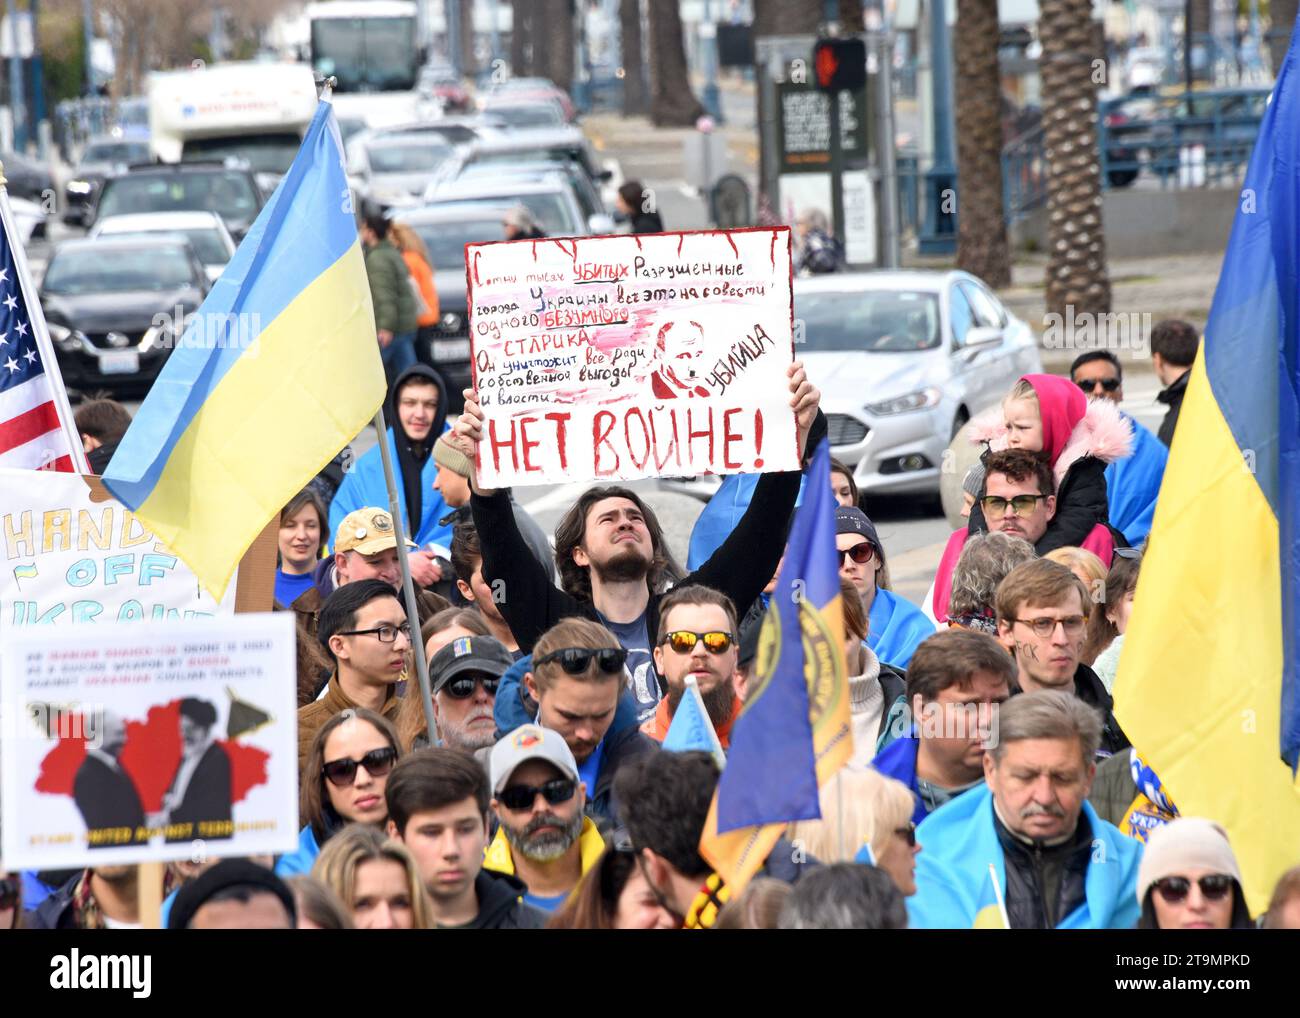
235,894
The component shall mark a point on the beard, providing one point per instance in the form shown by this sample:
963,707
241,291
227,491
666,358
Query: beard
719,702
544,847
628,564
461,736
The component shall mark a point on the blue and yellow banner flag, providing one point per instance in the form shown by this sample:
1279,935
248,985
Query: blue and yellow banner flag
1207,684
691,728
277,371
991,911
793,734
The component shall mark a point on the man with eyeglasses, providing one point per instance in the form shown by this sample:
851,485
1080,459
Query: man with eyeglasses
1042,610
463,677
543,837
364,629
895,627
1132,483
1058,865
697,638
576,677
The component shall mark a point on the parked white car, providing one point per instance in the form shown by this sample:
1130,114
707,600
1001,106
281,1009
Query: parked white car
205,231
903,360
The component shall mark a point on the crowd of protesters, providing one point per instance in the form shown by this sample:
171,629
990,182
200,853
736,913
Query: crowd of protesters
541,796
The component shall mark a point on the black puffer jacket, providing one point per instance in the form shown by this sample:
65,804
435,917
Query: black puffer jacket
1034,870
500,904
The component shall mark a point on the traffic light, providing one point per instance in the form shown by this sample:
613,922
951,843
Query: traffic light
840,65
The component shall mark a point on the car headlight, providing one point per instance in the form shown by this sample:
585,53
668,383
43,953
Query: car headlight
64,338
922,400
450,322
80,187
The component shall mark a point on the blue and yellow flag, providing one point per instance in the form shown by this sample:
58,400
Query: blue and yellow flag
1207,685
793,734
278,370
990,910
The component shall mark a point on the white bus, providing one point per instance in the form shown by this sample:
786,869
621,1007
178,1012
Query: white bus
255,112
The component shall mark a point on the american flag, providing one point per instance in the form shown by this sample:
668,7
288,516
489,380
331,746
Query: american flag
36,428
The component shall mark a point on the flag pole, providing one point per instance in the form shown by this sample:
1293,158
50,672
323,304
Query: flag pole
408,586
997,893
40,333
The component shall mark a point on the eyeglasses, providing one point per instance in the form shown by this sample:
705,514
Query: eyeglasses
576,660
462,686
908,834
1129,553
1043,628
9,887
683,641
522,797
1090,384
1214,887
385,634
860,553
377,763
1021,505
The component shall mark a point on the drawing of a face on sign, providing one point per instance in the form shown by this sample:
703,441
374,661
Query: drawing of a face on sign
676,361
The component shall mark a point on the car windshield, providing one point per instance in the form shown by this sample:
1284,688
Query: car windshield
207,242
876,322
228,193
366,54
116,152
446,241
91,269
424,156
553,214
265,153
541,115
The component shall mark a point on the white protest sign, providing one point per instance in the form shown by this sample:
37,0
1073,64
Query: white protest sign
67,559
151,741
633,356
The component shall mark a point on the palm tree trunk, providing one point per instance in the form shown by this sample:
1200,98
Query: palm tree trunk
634,91
1076,266
468,62
672,103
981,228
559,30
521,30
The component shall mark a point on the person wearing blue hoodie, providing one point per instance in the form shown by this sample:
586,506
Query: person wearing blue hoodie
895,627
1028,851
1133,482
957,679
417,415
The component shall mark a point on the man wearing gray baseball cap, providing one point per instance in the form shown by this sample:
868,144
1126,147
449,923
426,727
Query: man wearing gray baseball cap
543,837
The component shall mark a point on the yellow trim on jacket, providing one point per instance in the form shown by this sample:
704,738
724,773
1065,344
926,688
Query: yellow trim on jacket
590,845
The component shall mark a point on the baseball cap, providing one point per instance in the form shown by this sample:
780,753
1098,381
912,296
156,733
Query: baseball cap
529,742
368,531
851,520
477,654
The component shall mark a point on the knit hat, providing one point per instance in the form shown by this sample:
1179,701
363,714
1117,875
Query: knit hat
973,483
447,455
226,874
1184,844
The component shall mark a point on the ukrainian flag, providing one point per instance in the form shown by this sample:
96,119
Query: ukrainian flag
1207,685
793,734
231,429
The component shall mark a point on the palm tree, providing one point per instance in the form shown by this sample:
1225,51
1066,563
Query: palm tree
521,30
981,228
559,31
672,103
1076,241
634,93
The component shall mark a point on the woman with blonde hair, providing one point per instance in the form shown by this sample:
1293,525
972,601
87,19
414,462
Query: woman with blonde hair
1092,571
416,256
375,878
865,817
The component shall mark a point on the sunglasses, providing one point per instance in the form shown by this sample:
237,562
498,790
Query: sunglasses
683,641
1214,887
1128,553
1089,384
522,797
860,553
908,834
1021,505
9,887
462,686
576,660
377,763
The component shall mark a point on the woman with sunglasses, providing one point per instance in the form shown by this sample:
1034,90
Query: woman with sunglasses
1189,879
343,782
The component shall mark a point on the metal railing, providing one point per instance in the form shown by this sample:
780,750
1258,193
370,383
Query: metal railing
1185,140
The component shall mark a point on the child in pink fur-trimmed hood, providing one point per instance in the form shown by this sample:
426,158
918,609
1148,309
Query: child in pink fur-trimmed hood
1078,437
